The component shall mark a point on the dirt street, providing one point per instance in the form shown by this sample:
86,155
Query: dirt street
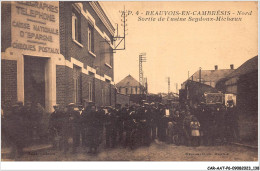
158,151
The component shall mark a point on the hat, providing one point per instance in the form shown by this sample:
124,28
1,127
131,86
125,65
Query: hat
71,104
109,107
118,104
80,106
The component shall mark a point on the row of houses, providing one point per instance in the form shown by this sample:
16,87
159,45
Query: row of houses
56,53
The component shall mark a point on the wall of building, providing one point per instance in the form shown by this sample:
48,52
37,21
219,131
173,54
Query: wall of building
5,25
8,82
247,104
80,52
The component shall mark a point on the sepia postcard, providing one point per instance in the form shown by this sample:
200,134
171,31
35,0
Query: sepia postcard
130,81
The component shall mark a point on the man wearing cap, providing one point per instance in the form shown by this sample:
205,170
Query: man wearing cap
14,132
232,120
92,124
110,126
74,120
55,125
82,125
153,121
119,122
27,113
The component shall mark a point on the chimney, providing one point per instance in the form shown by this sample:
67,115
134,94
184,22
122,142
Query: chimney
231,66
216,67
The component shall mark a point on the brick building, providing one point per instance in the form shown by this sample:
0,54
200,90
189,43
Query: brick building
56,53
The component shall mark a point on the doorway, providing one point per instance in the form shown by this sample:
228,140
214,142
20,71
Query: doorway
34,79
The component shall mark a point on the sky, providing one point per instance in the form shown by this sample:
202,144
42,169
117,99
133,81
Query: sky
175,48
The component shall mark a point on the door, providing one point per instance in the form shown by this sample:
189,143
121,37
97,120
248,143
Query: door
34,79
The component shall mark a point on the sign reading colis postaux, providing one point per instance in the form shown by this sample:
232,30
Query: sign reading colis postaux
35,26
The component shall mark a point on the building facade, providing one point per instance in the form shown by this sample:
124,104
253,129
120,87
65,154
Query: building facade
57,53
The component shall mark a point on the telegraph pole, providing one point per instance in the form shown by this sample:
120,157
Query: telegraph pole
169,87
117,40
200,74
142,58
177,88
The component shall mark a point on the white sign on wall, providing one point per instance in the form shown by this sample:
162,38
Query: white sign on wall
35,26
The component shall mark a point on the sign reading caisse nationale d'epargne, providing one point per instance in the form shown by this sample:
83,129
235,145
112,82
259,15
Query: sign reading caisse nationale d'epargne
35,26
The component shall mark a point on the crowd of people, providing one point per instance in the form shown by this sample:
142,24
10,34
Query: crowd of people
23,124
127,126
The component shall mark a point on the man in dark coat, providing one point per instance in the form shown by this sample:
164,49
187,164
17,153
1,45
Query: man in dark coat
147,125
233,118
74,118
14,130
92,125
153,121
210,131
82,130
162,125
100,123
26,113
55,126
110,121
65,129
119,123
220,122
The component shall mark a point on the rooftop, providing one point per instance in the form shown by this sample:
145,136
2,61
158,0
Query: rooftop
128,81
247,67
210,75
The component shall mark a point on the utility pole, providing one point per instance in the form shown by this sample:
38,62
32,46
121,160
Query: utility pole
146,85
200,74
177,88
117,40
142,58
169,87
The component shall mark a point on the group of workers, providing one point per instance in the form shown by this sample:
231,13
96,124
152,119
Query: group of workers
125,126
